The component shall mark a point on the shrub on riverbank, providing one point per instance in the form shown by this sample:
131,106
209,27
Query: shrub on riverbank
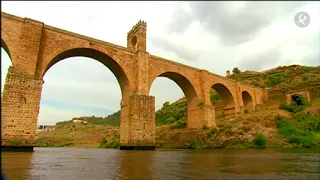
192,144
113,142
260,141
302,131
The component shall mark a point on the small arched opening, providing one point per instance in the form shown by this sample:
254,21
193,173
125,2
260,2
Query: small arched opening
247,101
134,43
298,99
222,99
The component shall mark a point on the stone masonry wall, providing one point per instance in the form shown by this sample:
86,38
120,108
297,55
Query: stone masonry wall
142,120
20,108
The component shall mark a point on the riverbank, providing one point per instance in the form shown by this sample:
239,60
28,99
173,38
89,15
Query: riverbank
265,128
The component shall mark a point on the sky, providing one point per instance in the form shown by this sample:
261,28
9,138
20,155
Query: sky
216,36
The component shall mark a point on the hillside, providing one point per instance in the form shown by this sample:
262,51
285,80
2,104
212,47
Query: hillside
274,124
112,120
281,78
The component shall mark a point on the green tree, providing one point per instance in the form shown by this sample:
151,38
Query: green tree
236,70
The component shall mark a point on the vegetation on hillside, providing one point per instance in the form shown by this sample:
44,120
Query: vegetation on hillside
112,120
304,129
283,77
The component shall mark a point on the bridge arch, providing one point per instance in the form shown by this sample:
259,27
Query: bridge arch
5,44
105,59
247,100
187,89
298,98
227,98
5,47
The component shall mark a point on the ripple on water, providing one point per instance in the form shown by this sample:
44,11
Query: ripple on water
83,164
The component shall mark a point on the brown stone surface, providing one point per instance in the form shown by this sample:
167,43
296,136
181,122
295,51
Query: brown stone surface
20,108
304,93
35,47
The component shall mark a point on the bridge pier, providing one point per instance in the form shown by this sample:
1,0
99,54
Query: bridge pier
137,131
201,116
20,108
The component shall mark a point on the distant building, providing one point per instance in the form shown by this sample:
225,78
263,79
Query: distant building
41,128
79,121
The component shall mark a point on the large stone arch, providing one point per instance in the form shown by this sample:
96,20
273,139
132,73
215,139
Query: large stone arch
247,100
6,48
227,97
105,59
111,63
188,89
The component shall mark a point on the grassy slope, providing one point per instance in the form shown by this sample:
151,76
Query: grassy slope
283,77
232,131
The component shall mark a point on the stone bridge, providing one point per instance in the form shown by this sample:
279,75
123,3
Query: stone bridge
35,47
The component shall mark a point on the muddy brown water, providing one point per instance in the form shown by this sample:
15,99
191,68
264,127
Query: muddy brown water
103,164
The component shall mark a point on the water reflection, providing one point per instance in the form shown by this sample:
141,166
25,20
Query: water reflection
16,165
83,164
170,164
136,165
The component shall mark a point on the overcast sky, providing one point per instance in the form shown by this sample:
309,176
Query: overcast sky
216,36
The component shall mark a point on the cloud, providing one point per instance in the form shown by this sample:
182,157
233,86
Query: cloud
186,52
263,59
216,36
49,115
159,89
234,22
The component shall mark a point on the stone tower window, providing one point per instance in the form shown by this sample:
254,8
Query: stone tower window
134,42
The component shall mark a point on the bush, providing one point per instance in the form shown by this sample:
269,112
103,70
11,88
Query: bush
298,136
214,95
260,141
308,122
274,80
192,145
303,132
113,143
205,127
171,120
294,108
246,111
182,123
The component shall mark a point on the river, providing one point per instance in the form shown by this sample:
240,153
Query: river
103,164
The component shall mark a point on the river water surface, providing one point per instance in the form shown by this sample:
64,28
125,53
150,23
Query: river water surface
103,164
